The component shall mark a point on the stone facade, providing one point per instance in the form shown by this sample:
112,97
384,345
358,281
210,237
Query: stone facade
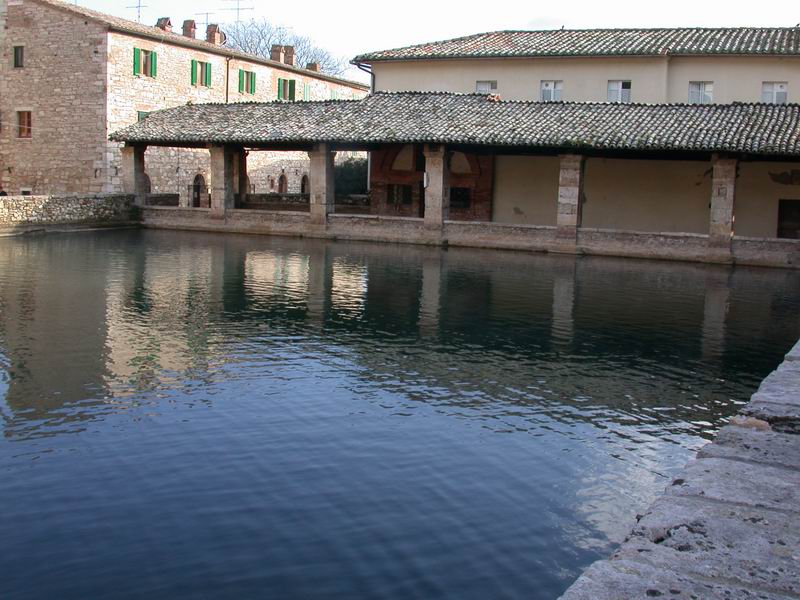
79,84
26,211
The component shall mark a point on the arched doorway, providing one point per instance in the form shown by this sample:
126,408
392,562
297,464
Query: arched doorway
283,184
199,190
304,185
148,186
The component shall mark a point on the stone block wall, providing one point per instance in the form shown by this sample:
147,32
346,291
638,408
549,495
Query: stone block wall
22,211
62,83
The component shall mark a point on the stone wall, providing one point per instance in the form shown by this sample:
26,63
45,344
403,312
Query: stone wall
62,85
42,211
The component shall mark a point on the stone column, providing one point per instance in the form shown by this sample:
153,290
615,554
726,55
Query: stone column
323,186
133,174
723,192
570,195
222,184
241,182
437,186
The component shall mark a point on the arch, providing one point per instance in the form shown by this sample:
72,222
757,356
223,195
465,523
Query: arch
305,186
199,190
460,164
283,184
404,159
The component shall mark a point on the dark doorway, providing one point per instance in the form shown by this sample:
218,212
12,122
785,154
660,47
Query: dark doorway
304,187
789,219
283,185
199,191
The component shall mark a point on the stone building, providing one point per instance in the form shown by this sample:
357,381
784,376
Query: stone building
625,66
70,76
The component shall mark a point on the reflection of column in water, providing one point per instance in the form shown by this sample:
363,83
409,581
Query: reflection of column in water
563,324
715,312
319,279
430,295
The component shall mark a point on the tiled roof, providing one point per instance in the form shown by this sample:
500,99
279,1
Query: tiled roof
159,35
782,41
472,119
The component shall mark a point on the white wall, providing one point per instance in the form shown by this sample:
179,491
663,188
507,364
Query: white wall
525,189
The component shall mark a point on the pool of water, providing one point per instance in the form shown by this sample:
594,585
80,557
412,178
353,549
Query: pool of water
207,416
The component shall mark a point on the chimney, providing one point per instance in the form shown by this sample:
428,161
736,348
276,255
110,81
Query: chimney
288,55
315,66
189,28
276,52
164,24
214,35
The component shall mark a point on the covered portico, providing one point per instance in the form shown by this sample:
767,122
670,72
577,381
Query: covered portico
544,172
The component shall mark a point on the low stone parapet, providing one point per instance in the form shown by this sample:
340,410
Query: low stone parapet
728,526
23,213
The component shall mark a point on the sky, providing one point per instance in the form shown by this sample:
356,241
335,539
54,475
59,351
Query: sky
351,27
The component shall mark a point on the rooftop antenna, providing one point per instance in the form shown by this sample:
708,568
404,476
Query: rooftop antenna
238,8
207,15
138,6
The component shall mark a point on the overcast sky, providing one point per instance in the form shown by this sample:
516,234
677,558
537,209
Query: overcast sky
350,27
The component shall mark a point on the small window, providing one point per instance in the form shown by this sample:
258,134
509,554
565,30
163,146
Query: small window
286,89
26,192
398,194
145,62
24,124
619,91
247,82
19,57
141,115
775,92
485,87
201,73
551,91
701,92
460,197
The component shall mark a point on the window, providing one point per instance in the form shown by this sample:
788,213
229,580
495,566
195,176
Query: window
701,92
619,91
774,92
485,87
141,115
24,124
201,73
19,57
789,219
551,91
286,89
307,91
398,194
460,197
247,82
26,192
145,62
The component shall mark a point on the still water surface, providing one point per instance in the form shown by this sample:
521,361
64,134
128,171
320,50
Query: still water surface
209,416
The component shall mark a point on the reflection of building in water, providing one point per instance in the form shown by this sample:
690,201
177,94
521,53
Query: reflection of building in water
349,281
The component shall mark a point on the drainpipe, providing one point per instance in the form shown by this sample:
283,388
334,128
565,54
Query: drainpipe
368,69
227,79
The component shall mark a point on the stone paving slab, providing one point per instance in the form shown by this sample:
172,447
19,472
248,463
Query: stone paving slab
754,547
793,354
768,407
739,483
745,443
633,580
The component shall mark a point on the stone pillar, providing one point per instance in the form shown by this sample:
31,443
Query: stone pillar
243,181
222,183
323,186
723,192
133,174
437,186
570,196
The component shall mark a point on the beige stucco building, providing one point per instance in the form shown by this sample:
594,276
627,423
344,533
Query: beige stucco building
70,76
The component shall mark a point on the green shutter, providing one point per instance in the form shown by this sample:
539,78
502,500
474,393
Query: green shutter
306,92
280,89
291,89
153,64
208,74
137,61
252,83
241,81
194,72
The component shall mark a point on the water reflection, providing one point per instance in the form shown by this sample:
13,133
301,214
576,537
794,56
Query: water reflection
507,411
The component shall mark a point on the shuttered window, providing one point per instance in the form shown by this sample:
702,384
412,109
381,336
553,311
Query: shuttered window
307,91
287,89
145,62
247,82
19,57
201,73
24,124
